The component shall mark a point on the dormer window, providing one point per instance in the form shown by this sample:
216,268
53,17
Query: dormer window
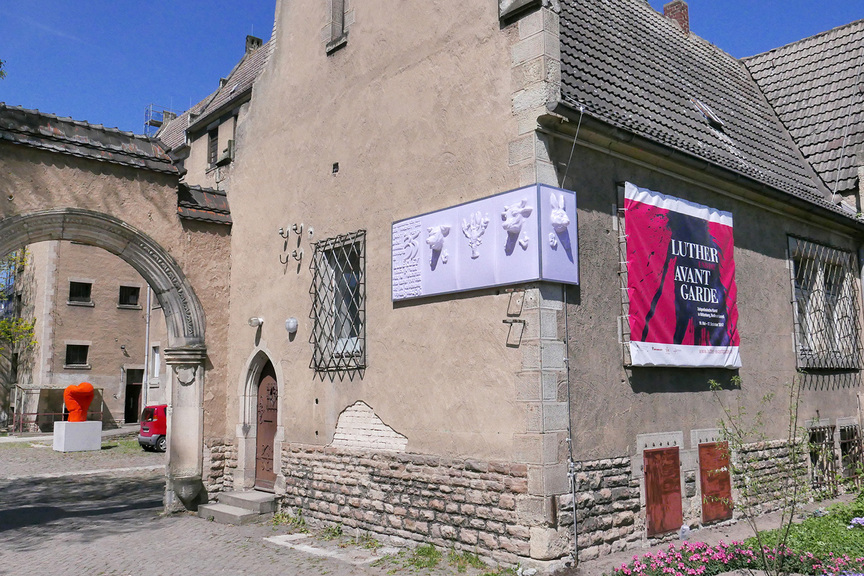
708,114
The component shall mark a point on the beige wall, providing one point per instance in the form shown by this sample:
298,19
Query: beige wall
418,118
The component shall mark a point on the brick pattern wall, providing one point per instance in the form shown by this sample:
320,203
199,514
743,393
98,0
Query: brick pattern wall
220,460
608,511
766,464
463,504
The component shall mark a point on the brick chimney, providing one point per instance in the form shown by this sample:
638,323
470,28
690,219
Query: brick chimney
677,10
253,43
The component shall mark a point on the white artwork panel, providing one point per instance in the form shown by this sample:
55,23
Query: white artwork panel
495,241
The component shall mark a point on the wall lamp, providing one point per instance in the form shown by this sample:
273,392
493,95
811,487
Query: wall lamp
291,325
256,322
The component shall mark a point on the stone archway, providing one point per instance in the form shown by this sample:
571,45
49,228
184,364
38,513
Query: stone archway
184,318
68,180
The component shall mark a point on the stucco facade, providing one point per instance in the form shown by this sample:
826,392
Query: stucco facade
461,108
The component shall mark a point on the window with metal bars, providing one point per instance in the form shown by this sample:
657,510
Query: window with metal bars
852,452
826,306
79,292
823,463
339,303
76,355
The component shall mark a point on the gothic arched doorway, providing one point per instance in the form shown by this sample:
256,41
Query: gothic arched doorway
266,422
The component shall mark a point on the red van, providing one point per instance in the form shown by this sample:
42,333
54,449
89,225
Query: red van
154,428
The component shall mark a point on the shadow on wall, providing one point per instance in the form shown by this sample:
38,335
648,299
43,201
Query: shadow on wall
830,380
679,380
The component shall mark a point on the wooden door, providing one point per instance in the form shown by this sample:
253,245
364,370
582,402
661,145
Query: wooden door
268,401
664,510
715,481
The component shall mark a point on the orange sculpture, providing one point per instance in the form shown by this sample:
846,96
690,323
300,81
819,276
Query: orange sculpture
78,398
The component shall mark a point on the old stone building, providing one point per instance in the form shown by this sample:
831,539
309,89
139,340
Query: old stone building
510,416
493,268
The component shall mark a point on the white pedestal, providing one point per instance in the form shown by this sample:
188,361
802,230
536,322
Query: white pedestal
77,436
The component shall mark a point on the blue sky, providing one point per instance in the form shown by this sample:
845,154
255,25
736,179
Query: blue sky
104,61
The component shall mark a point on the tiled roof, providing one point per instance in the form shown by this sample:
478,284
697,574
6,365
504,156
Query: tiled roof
82,139
634,69
204,204
816,86
238,83
173,133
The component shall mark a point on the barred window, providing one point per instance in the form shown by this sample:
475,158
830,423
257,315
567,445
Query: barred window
852,453
826,306
823,459
339,303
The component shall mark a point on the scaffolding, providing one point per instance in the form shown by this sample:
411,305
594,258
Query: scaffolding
155,117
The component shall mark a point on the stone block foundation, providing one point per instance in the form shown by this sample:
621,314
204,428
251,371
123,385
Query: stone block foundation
463,504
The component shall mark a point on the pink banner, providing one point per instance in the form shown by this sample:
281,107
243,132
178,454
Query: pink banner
680,281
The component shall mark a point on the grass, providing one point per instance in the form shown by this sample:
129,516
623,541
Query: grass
332,532
826,536
428,559
425,556
296,523
462,560
122,446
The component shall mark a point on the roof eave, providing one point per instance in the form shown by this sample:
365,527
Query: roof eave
590,123
201,122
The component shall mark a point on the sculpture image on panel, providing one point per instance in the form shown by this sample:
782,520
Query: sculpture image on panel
77,399
474,231
560,222
411,246
435,240
513,218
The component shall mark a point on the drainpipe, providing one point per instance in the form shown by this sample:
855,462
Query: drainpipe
571,464
146,383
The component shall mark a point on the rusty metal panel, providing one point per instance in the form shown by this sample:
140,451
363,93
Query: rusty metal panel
268,401
664,510
715,481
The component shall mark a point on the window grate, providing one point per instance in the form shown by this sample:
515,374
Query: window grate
338,294
852,453
129,295
76,354
823,466
79,292
826,306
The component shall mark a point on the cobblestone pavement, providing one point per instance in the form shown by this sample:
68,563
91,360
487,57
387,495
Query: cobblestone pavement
57,519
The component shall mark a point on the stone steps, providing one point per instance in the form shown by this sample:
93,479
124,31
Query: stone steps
240,507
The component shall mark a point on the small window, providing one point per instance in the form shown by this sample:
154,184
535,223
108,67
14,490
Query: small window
852,452
826,306
212,147
338,35
155,367
76,355
79,292
823,460
339,303
129,296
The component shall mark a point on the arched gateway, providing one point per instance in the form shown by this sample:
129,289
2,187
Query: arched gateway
67,180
